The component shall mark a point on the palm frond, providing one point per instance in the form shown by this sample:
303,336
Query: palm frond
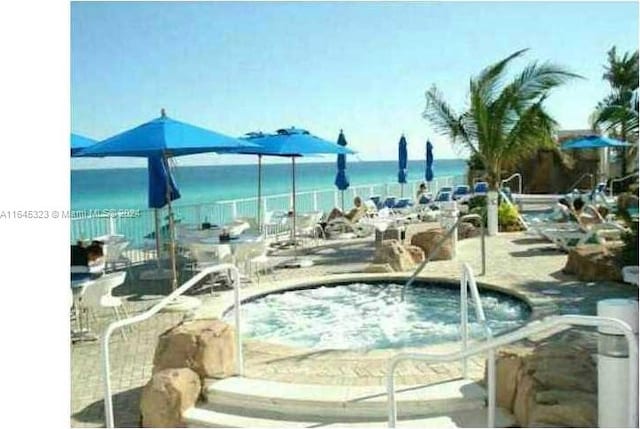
444,119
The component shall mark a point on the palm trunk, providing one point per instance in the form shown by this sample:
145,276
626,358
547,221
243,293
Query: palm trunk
493,180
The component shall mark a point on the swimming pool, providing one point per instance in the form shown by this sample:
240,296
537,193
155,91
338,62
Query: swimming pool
372,316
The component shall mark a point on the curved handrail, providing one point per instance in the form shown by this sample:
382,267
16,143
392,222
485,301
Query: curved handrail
437,247
514,175
572,187
520,334
619,179
108,404
468,280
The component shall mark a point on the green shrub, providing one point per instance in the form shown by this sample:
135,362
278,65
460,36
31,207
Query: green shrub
507,216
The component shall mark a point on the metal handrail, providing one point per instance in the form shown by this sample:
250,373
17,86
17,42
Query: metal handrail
514,175
235,278
520,334
468,280
620,179
435,250
572,187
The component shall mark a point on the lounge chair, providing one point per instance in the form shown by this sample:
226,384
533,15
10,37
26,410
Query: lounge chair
570,234
480,188
461,192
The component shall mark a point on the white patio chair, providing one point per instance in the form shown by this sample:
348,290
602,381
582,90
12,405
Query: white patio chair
96,296
207,255
113,255
308,226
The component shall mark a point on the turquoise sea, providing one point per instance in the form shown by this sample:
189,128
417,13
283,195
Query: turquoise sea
127,188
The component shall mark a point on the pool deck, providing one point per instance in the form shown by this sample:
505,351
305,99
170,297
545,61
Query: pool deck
526,266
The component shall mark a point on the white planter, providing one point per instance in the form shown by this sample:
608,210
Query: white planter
492,213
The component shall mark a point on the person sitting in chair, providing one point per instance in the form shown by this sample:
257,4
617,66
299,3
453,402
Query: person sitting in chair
353,215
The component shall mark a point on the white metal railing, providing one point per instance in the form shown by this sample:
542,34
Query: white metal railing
235,278
580,179
221,212
468,280
620,179
453,229
520,334
513,176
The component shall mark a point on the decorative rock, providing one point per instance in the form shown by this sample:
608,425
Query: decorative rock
577,414
467,230
167,395
427,241
205,346
508,367
556,387
378,268
593,262
393,253
525,398
416,253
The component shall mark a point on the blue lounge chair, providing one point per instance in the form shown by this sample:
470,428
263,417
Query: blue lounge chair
403,203
389,202
480,188
461,192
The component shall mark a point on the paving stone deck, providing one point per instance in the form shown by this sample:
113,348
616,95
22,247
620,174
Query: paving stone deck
524,265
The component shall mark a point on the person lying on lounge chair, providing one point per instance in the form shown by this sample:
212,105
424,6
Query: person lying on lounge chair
353,215
584,218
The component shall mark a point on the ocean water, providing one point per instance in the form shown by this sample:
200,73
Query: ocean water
127,188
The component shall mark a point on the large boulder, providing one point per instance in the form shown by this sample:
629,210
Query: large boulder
395,254
554,386
427,241
467,230
207,346
166,397
594,262
508,367
416,253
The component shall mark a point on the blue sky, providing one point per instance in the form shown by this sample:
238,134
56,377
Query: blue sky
363,67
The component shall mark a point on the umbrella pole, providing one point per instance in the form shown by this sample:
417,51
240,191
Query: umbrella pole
172,242
259,192
157,221
342,195
293,188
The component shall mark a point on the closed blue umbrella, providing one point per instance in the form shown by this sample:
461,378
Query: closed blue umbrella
402,163
428,173
290,142
159,140
79,142
342,181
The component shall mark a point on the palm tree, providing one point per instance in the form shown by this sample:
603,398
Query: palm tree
505,122
617,113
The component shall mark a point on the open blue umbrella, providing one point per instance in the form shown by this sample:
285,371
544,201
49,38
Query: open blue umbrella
593,142
158,140
79,142
402,163
290,142
596,142
342,181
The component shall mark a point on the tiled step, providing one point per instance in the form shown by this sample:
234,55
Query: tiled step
198,417
302,402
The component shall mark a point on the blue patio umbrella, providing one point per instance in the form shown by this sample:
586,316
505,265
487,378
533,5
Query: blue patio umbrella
342,181
158,140
596,142
593,142
79,142
428,173
402,163
290,142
